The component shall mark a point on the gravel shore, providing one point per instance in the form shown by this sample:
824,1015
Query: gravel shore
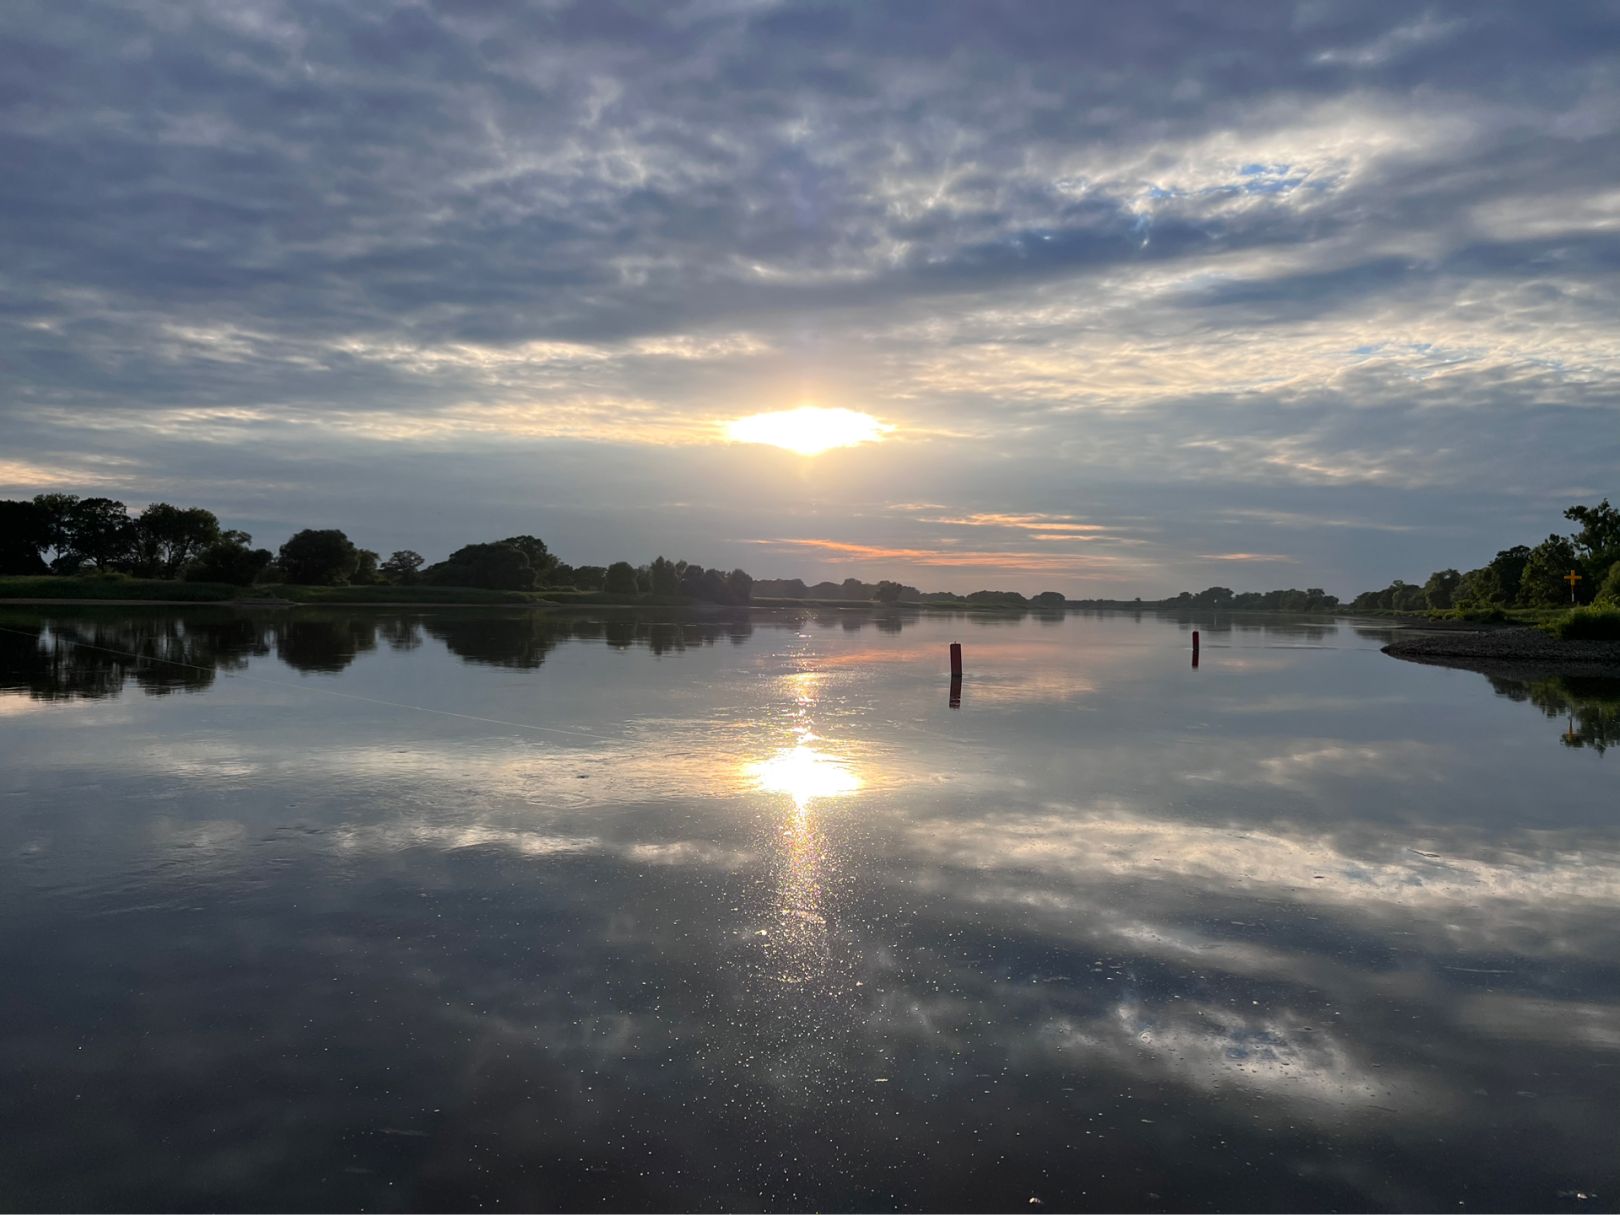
1526,652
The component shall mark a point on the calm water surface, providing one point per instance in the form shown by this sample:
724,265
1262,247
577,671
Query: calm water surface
451,909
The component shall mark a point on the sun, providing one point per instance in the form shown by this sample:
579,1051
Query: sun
808,430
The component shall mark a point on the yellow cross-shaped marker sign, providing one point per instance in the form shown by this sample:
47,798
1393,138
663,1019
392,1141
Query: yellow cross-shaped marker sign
1572,578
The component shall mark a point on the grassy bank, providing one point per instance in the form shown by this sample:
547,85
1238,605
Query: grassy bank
471,595
1587,624
115,586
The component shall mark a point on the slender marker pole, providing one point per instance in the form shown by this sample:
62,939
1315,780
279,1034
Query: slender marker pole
956,660
1195,649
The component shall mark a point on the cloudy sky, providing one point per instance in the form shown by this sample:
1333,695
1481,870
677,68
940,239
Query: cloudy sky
1151,296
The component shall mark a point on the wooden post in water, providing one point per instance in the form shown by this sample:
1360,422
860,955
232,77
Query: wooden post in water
956,660
956,692
1195,649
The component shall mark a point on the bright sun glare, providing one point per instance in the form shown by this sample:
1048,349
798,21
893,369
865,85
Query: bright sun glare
804,773
808,430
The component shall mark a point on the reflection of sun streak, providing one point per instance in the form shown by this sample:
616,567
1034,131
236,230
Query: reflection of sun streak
799,946
804,774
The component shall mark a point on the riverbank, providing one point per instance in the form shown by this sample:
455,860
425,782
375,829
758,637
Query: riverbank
1509,652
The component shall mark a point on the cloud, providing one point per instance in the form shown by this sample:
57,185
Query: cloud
1094,566
1357,249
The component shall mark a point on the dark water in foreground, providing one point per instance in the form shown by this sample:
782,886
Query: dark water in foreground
453,909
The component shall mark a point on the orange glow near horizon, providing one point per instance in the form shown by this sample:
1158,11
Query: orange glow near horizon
808,430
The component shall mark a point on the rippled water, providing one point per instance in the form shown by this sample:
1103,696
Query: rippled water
454,909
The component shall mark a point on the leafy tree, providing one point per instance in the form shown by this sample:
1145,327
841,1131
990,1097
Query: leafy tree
100,532
57,510
1598,541
1542,584
663,578
887,592
1441,588
538,556
1050,599
1609,590
693,580
501,566
168,537
1508,566
740,586
365,568
1599,537
403,567
318,558
229,559
620,579
589,577
783,588
1011,599
24,536
1479,588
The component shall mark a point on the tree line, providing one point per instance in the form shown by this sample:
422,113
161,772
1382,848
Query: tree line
64,534
1523,576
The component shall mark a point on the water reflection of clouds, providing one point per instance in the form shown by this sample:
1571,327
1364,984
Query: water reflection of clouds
1072,848
730,922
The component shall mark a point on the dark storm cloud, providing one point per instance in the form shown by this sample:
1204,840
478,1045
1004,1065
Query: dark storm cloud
1186,246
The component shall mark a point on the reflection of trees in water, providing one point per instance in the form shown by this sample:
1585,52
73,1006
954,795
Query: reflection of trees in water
91,652
1589,705
324,642
520,641
81,656
401,633
1216,623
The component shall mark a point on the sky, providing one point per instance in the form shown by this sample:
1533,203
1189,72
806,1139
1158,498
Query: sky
1139,298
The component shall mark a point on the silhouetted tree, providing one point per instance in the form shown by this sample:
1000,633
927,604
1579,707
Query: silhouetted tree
502,566
403,567
168,537
538,556
620,579
100,532
57,510
887,592
318,558
366,572
24,537
663,578
589,577
229,559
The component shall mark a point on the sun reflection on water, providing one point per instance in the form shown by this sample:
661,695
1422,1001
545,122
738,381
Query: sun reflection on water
799,946
804,774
